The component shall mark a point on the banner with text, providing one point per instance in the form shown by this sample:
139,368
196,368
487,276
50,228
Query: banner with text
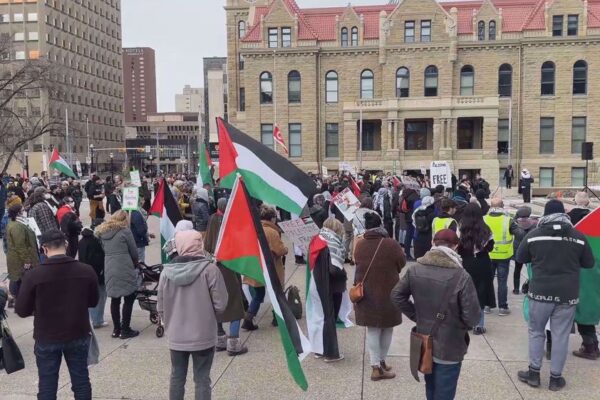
441,174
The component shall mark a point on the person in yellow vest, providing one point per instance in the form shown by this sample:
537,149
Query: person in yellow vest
499,221
445,220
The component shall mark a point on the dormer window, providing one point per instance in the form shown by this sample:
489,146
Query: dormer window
557,25
354,36
492,30
344,37
273,37
481,31
572,25
286,37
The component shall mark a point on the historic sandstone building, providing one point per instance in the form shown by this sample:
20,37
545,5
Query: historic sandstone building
480,84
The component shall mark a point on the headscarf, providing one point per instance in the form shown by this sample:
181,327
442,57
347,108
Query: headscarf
202,193
189,243
424,192
335,245
525,174
184,225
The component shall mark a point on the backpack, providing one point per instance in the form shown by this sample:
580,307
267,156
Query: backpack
422,224
404,206
294,300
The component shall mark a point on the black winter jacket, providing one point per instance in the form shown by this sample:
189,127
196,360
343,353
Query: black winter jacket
92,253
577,214
556,252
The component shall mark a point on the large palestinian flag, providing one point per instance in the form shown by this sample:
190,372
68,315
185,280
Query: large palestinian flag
165,207
319,306
588,309
267,175
59,164
204,164
251,257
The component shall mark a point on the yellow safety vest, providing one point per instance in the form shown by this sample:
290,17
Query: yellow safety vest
439,224
503,239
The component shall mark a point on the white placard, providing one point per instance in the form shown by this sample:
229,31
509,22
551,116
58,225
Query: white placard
130,198
78,167
345,166
324,171
147,149
300,231
347,203
441,174
135,178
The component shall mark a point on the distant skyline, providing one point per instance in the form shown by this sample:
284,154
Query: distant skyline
182,32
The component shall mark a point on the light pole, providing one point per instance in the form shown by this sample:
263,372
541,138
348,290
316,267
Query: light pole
111,166
91,158
27,163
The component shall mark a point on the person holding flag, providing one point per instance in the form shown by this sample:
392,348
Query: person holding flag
59,164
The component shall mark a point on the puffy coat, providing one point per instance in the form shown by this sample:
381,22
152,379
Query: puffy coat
22,249
120,258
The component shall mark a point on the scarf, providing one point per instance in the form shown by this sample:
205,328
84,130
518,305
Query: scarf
557,218
335,245
525,175
380,197
452,255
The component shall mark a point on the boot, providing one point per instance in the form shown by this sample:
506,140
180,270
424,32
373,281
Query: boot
116,332
530,377
557,383
128,333
596,349
235,347
587,351
384,366
379,373
221,343
248,323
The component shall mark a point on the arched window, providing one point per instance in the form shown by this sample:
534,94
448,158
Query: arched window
431,81
294,87
402,82
580,77
492,30
481,30
367,90
344,37
505,80
241,29
266,88
548,75
467,81
354,36
331,87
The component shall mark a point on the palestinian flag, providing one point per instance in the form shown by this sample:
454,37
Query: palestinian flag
355,188
319,306
59,164
165,207
204,164
588,309
251,257
267,175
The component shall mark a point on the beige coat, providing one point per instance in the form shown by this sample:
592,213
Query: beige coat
278,250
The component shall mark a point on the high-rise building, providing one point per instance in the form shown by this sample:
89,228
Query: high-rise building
84,38
215,98
190,100
481,84
139,75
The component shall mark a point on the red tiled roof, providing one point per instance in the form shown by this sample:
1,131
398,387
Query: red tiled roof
320,23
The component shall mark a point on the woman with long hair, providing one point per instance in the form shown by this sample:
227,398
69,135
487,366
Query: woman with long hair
476,242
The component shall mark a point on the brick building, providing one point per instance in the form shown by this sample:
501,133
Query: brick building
139,81
480,84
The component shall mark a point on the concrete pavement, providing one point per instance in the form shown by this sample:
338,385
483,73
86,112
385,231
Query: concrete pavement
139,368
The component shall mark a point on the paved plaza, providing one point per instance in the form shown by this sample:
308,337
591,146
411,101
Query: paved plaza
139,368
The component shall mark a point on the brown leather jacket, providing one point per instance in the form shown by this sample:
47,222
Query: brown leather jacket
426,282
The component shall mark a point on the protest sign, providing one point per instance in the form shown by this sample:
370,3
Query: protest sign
324,171
300,231
345,166
347,203
135,178
78,168
441,174
130,198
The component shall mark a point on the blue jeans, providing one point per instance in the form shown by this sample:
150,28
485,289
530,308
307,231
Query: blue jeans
501,268
441,384
48,358
141,254
97,313
234,328
258,296
408,238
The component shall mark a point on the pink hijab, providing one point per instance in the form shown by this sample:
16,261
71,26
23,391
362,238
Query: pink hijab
188,241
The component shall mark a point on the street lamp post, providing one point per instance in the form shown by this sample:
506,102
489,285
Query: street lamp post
91,158
111,166
27,163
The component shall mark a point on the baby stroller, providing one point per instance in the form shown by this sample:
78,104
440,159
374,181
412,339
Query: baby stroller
147,293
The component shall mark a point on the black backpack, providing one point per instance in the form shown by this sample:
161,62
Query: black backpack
422,222
294,301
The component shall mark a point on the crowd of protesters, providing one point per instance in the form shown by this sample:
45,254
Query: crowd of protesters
457,240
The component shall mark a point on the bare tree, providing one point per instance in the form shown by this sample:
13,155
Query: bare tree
22,116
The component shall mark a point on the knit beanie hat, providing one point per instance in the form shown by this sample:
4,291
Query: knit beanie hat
446,236
524,212
554,207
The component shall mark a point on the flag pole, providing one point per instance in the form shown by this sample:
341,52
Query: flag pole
274,102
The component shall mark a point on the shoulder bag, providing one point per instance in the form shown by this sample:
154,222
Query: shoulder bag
421,345
357,291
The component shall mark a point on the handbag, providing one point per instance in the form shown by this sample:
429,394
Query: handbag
357,291
94,350
12,359
421,345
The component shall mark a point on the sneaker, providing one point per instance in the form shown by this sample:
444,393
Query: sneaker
129,333
557,383
379,373
116,334
101,325
487,310
318,356
222,343
504,312
479,330
334,359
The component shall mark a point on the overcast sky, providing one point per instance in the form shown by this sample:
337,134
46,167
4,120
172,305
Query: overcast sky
182,32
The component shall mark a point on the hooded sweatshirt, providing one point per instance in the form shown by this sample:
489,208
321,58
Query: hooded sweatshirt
191,291
556,252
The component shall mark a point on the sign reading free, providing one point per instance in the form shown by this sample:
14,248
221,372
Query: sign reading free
441,174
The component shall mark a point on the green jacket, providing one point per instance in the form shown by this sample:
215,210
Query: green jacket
22,249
